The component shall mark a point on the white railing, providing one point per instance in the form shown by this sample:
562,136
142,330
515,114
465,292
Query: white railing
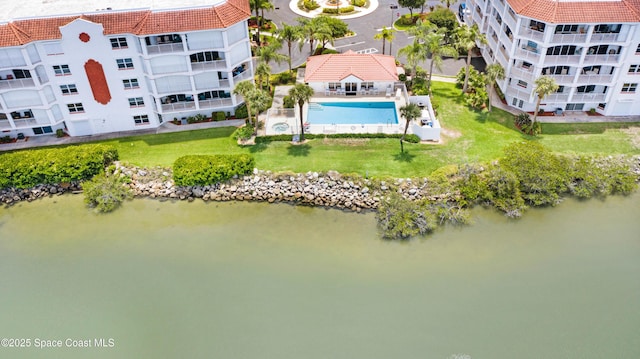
529,33
562,59
499,5
16,84
564,79
209,65
223,83
177,106
608,37
558,97
601,59
522,74
528,54
164,48
493,42
506,39
215,102
168,69
510,20
590,79
589,97
5,124
519,92
502,57
242,76
569,38
388,128
477,17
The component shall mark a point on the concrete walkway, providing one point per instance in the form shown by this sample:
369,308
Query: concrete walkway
168,127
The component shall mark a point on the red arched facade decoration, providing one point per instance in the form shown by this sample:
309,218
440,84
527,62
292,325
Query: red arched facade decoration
98,81
84,37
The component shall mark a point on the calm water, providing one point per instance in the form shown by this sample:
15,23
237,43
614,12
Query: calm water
341,113
240,280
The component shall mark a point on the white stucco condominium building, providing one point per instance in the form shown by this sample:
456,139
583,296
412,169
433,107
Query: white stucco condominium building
591,48
74,65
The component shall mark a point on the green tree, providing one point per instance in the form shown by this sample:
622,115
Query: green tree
436,47
414,52
545,85
466,38
410,112
289,34
105,192
270,53
444,18
494,72
263,70
260,100
385,35
411,4
245,89
260,5
301,93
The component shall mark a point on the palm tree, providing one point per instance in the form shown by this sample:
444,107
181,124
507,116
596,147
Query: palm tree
414,52
494,72
245,89
260,5
545,85
436,47
260,100
410,112
263,70
312,27
289,34
270,53
466,38
301,93
386,35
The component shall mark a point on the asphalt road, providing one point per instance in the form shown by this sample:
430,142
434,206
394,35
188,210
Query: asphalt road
365,28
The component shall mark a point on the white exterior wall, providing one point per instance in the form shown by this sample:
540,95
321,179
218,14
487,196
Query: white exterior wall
42,97
485,13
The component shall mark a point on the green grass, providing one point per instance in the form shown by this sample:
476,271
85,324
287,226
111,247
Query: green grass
481,137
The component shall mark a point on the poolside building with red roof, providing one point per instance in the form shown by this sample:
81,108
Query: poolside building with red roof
591,48
99,70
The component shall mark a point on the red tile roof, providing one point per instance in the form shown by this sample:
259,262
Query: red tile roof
579,12
336,67
145,22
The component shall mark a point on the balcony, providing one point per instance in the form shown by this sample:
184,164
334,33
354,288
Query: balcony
594,79
215,102
589,97
519,92
522,73
499,5
572,38
531,33
164,44
557,97
209,65
16,83
608,37
564,79
562,59
173,103
529,53
510,19
240,73
602,59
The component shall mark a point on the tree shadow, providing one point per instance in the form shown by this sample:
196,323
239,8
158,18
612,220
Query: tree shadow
405,156
299,150
258,147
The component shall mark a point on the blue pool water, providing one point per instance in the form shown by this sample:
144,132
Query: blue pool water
341,113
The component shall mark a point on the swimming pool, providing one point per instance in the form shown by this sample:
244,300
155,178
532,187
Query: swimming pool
340,113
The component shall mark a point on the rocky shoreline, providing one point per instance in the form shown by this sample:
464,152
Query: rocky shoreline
330,189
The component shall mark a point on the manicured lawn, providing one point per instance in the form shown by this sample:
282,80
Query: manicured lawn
480,137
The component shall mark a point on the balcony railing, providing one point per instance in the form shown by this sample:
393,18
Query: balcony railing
528,54
558,97
521,73
215,102
610,37
502,57
529,33
241,76
5,124
168,69
16,84
593,79
27,122
564,79
507,40
601,59
178,106
562,59
510,20
499,5
209,65
519,92
589,97
569,38
165,48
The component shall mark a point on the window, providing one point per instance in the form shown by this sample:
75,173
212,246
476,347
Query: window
130,84
141,120
586,89
119,43
607,29
124,64
638,50
566,29
42,130
61,70
629,88
206,56
537,26
68,89
22,74
522,84
75,107
560,89
574,107
563,50
634,69
136,101
334,85
366,85
514,101
602,106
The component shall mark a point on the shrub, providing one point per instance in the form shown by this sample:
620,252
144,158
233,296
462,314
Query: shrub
243,133
191,119
28,168
359,3
200,117
285,78
310,5
218,116
288,102
402,77
342,10
399,218
330,51
59,133
105,193
443,18
209,169
241,111
6,139
525,124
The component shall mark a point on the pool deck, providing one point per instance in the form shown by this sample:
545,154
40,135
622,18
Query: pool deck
291,119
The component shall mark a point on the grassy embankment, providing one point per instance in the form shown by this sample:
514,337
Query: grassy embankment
471,137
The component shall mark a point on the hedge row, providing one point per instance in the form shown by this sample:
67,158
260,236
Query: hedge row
29,168
409,138
204,169
342,10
